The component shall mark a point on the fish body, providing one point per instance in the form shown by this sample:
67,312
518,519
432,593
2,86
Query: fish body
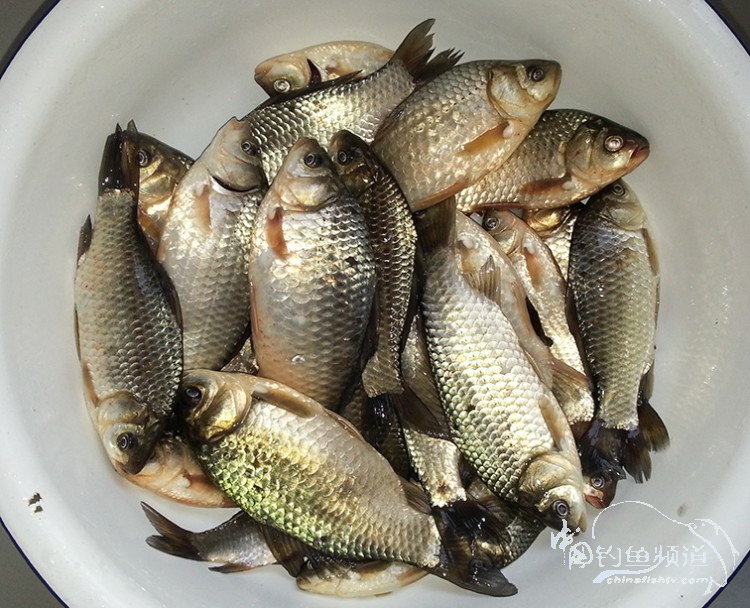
503,418
356,104
296,466
434,456
463,124
127,320
555,228
204,244
542,280
614,280
312,272
393,238
240,544
481,258
236,545
305,471
567,156
161,169
318,63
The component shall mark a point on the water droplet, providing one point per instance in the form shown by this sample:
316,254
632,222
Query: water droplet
298,359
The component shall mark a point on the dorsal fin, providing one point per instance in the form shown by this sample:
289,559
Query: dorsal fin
436,225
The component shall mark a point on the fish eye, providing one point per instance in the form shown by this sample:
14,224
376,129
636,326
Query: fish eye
250,148
597,481
490,223
344,157
143,158
618,189
614,143
313,160
536,73
561,508
126,441
191,396
281,85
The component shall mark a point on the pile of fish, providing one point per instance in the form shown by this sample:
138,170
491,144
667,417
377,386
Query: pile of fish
376,317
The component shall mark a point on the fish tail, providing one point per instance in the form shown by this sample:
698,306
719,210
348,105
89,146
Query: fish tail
119,169
436,225
466,528
172,539
382,375
650,436
415,51
652,427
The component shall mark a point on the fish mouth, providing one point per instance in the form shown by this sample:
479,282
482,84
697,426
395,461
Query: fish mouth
640,153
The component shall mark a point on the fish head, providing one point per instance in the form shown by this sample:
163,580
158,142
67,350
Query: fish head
160,167
544,221
233,158
307,179
553,485
505,227
522,90
355,163
212,404
283,74
619,205
600,487
602,151
563,503
129,431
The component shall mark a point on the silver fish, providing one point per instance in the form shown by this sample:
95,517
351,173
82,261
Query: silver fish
567,156
278,454
352,103
503,418
318,63
204,244
313,278
614,282
394,239
541,278
463,124
127,319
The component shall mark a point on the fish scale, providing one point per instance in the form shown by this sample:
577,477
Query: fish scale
266,465
463,124
505,183
472,357
127,329
312,283
567,156
615,291
204,243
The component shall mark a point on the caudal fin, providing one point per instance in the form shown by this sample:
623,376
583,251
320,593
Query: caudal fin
468,530
172,539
